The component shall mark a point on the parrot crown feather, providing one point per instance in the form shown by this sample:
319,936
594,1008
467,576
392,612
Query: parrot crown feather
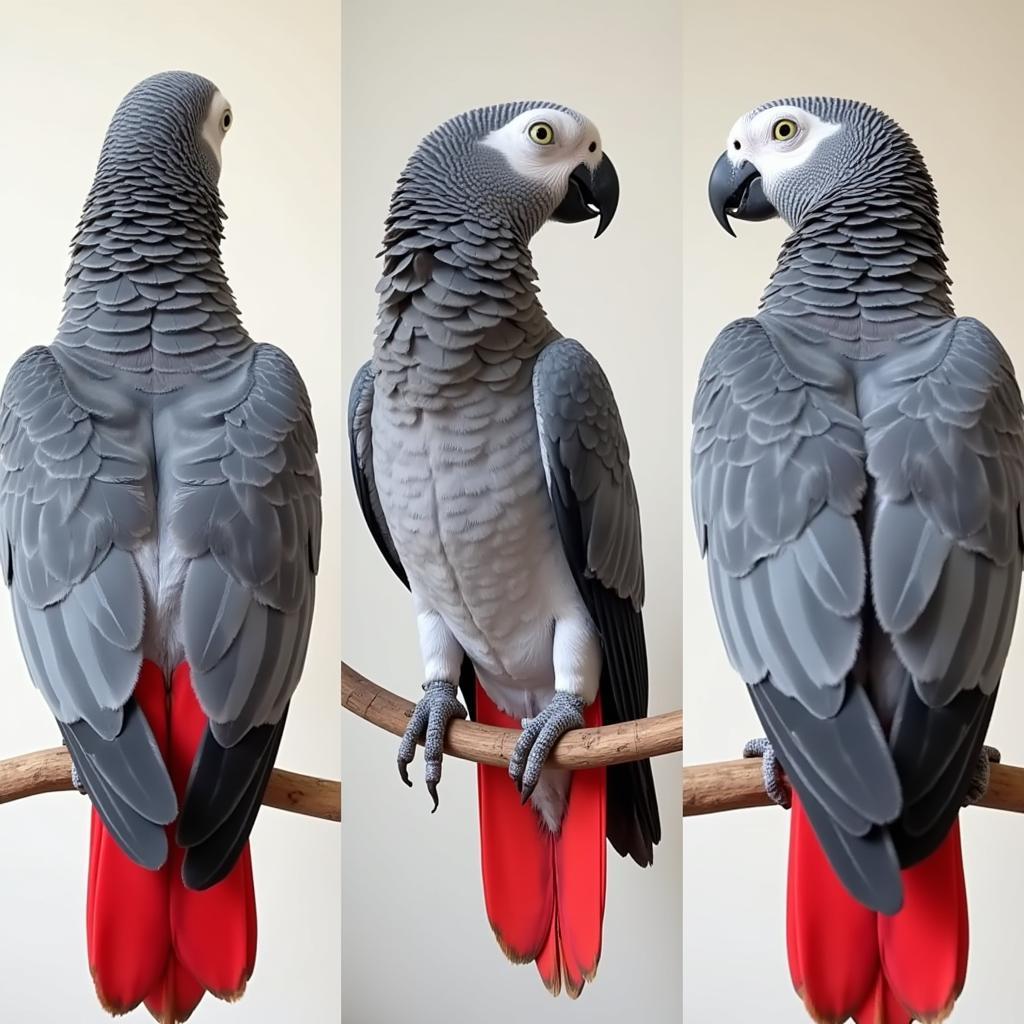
875,153
152,152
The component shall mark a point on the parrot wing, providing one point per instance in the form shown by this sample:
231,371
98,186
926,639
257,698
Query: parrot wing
248,516
945,442
360,407
778,480
75,499
586,464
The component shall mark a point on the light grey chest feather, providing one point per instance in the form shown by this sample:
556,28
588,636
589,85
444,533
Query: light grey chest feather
465,499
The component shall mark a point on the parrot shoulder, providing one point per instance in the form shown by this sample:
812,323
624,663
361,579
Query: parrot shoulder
73,479
776,442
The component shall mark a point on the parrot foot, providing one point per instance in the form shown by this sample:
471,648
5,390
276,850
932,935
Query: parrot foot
775,784
540,734
982,772
430,720
76,780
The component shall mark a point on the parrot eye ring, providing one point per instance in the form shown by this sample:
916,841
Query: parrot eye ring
225,120
542,133
784,129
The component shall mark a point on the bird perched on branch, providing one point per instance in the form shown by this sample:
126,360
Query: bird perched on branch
159,532
858,470
493,472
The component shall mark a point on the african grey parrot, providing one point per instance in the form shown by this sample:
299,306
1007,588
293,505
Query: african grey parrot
160,517
493,472
858,471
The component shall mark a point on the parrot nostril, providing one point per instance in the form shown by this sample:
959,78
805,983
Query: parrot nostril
736,144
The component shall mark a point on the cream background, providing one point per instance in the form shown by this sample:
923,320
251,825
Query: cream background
63,69
416,943
948,73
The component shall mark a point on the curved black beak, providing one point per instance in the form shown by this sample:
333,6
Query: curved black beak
590,194
735,190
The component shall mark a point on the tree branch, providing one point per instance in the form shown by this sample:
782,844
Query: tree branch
49,771
486,744
734,785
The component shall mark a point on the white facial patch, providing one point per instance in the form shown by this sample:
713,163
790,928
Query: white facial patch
218,121
754,138
546,145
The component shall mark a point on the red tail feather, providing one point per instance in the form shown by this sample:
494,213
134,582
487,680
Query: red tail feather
151,939
847,961
214,931
882,1007
544,893
924,947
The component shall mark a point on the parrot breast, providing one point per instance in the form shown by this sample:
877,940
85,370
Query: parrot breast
467,505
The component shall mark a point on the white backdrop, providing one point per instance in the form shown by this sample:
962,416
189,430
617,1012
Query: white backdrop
63,69
948,73
416,942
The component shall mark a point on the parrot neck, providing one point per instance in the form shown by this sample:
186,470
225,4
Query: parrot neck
146,290
458,307
871,266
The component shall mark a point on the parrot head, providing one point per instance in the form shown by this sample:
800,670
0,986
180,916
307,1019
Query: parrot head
517,164
168,128
789,157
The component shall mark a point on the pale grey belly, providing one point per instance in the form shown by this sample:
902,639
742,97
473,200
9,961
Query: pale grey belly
466,502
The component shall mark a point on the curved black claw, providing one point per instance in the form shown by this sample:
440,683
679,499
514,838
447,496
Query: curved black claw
429,720
775,784
540,734
982,773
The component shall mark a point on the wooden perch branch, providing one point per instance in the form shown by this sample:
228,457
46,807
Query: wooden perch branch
49,771
486,744
734,785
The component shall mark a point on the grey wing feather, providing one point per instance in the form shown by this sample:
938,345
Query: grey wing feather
75,500
586,461
945,443
778,479
249,519
360,408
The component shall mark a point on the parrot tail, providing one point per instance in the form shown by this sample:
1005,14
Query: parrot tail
150,939
544,892
848,961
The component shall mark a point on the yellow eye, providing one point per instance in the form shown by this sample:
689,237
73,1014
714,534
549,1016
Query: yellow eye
225,120
784,129
542,133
